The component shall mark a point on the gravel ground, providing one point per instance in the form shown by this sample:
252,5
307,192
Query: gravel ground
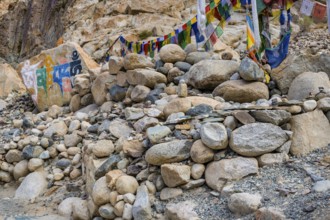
285,186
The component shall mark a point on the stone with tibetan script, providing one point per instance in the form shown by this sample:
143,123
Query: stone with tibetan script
49,76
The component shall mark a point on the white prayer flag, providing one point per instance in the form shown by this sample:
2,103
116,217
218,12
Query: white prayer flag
307,7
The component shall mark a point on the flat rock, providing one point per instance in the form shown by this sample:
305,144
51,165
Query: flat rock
134,61
244,117
120,128
177,105
257,139
170,193
142,208
107,165
241,91
156,133
170,152
310,131
181,211
132,113
149,78
276,117
272,158
219,172
58,128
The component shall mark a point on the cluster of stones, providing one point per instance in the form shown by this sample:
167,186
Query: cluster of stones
155,130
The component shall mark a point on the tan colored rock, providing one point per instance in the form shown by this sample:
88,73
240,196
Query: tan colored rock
200,153
181,211
134,61
115,64
100,87
244,203
175,174
145,77
310,132
272,158
21,169
241,91
197,100
103,148
269,213
172,53
197,171
133,148
9,81
126,184
101,192
75,103
219,172
177,105
112,176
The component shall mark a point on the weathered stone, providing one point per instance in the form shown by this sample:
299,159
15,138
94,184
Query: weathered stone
100,87
72,140
101,192
219,172
139,93
172,53
145,123
257,139
132,113
117,93
244,117
177,105
34,164
142,208
230,122
214,136
145,77
32,186
133,148
272,158
202,109
181,211
175,174
183,66
269,213
250,71
324,104
119,128
276,117
173,73
115,64
103,148
54,111
127,213
244,203
155,134
5,177
293,66
174,151
112,176
208,74
107,211
197,56
308,83
169,193
200,153
63,163
199,100
309,105
197,171
241,91
107,165
21,169
10,81
13,156
65,208
74,125
193,184
310,131
31,152
134,61
321,186
126,184
58,128
75,103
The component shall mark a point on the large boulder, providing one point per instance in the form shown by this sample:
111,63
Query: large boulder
145,77
174,151
9,81
32,186
242,91
293,66
100,87
310,131
48,76
219,172
256,139
208,74
134,61
172,53
308,83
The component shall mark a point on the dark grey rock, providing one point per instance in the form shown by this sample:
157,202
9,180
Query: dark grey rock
276,117
183,66
93,129
63,163
117,93
199,110
109,164
104,126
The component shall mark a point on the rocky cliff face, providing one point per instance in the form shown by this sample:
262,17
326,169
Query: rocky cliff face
34,25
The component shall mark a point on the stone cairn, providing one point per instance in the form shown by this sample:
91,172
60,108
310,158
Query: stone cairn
138,131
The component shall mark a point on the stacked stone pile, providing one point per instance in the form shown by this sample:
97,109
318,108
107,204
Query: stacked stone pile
158,129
